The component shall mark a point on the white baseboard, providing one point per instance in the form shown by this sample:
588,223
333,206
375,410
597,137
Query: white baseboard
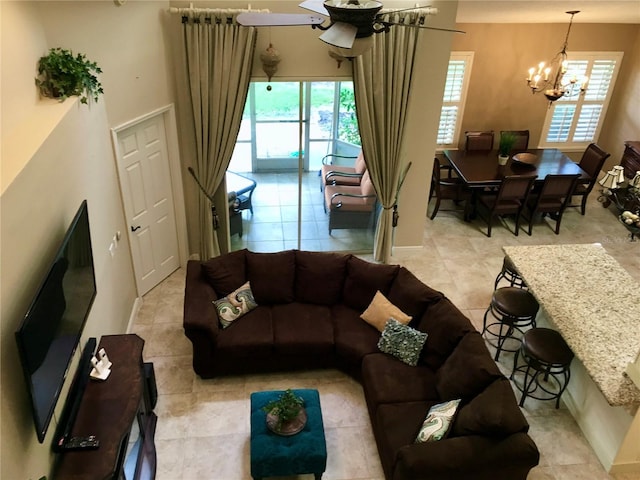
134,313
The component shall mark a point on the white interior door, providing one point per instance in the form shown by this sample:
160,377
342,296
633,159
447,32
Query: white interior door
145,179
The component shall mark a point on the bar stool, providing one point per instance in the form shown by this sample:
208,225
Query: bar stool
513,309
510,274
546,369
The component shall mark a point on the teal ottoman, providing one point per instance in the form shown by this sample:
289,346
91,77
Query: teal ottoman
276,455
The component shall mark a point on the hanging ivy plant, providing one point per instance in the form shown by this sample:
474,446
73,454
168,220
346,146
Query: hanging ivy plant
62,74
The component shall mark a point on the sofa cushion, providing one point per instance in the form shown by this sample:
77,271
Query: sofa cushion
320,278
412,296
395,426
468,370
353,338
494,411
380,310
446,325
438,422
250,338
402,341
226,272
235,305
272,276
300,328
364,279
387,380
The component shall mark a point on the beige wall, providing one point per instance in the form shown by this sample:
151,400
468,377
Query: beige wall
54,156
499,100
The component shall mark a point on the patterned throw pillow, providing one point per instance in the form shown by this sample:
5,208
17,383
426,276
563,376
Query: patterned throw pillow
235,305
401,341
380,310
436,426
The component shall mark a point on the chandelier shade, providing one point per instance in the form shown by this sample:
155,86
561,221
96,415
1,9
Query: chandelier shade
554,79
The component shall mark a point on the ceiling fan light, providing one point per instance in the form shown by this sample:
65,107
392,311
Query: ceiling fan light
360,46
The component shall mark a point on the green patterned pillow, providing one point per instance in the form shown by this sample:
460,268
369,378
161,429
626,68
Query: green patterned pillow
235,305
436,426
403,342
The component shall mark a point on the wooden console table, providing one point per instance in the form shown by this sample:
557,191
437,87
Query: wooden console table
115,411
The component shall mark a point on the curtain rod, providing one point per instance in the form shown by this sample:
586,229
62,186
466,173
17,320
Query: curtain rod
224,11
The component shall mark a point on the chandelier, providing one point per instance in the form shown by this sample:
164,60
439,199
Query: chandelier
554,80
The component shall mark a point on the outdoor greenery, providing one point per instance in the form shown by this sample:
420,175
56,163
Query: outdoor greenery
62,74
348,131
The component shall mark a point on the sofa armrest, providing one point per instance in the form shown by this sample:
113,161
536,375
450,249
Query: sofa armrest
470,457
199,312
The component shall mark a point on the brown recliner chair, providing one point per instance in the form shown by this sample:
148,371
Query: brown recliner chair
351,206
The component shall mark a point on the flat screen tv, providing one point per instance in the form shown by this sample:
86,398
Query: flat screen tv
50,330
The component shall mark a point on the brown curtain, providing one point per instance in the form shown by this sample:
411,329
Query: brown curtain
382,85
215,61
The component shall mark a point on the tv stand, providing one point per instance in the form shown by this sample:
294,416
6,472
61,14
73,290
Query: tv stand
119,413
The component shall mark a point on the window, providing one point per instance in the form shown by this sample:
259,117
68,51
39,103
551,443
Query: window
576,121
455,94
269,134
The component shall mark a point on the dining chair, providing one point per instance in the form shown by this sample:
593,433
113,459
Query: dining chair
447,188
522,139
478,140
510,199
591,162
553,199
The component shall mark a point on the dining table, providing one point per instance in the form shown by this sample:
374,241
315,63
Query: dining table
479,169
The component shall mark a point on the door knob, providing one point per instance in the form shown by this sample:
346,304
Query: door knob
133,229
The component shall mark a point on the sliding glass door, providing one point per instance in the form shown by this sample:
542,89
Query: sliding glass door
316,118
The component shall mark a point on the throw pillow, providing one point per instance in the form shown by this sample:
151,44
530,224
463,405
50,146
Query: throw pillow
436,426
402,341
380,310
272,276
468,370
226,272
235,305
364,279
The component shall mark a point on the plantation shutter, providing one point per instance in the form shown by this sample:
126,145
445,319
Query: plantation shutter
577,120
454,96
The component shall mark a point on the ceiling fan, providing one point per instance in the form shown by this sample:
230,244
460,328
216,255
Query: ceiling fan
349,19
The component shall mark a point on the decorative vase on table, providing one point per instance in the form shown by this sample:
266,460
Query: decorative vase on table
286,415
507,141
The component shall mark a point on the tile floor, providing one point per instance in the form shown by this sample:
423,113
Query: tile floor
273,226
203,425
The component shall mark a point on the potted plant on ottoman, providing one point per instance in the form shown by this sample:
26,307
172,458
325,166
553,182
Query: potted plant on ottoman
507,140
62,74
286,415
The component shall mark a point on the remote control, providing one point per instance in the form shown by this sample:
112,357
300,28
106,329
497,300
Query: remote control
82,443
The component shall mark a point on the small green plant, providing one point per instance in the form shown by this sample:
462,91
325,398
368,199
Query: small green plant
62,74
507,141
285,408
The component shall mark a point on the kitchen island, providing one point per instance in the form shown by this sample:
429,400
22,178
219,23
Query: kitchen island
587,296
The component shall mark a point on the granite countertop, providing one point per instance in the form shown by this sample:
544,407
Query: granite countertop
593,303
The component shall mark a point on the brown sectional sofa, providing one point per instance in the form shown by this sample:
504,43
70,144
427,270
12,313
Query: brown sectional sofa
309,317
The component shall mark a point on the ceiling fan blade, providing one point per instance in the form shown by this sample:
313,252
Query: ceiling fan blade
314,6
340,35
422,26
277,19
